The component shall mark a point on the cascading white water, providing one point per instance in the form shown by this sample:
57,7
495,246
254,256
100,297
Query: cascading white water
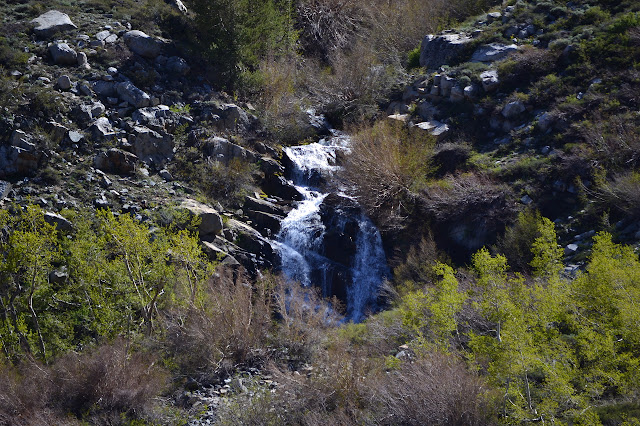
302,232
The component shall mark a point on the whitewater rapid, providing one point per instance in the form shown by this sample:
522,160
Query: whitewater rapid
300,240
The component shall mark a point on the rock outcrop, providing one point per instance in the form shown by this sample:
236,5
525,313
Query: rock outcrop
52,22
143,44
210,221
438,50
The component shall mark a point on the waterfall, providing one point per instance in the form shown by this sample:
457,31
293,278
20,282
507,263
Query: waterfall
355,275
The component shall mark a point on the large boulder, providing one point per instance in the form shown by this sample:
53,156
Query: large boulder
151,146
210,220
267,223
143,44
127,91
280,187
178,66
104,89
101,129
493,52
5,188
51,22
60,222
153,117
513,109
260,205
439,50
435,128
490,81
229,116
62,54
340,217
223,150
252,241
116,161
20,156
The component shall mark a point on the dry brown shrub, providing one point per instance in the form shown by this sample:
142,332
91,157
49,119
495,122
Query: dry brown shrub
388,165
462,195
110,378
616,139
104,383
223,328
304,320
349,387
435,389
622,193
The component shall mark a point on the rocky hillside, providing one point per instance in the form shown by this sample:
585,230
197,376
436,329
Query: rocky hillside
531,107
144,175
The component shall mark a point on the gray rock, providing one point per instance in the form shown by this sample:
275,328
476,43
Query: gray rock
180,6
222,150
104,89
493,52
152,117
102,35
59,221
211,221
471,92
260,205
142,44
490,81
233,117
116,161
97,109
64,82
21,140
151,146
75,137
570,249
97,43
101,129
134,96
439,50
51,22
527,31
58,276
82,113
17,160
457,94
545,121
112,71
278,186
526,200
111,39
513,109
493,16
270,166
446,84
82,60
5,188
85,90
435,128
62,54
177,65
166,175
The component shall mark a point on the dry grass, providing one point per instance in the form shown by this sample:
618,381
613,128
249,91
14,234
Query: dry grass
621,193
223,329
106,383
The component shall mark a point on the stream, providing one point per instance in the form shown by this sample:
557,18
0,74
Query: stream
327,240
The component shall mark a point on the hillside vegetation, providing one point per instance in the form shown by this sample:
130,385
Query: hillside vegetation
143,179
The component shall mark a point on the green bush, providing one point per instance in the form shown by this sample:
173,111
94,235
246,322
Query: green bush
235,34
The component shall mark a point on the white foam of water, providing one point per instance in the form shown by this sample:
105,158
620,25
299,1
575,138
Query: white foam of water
302,231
